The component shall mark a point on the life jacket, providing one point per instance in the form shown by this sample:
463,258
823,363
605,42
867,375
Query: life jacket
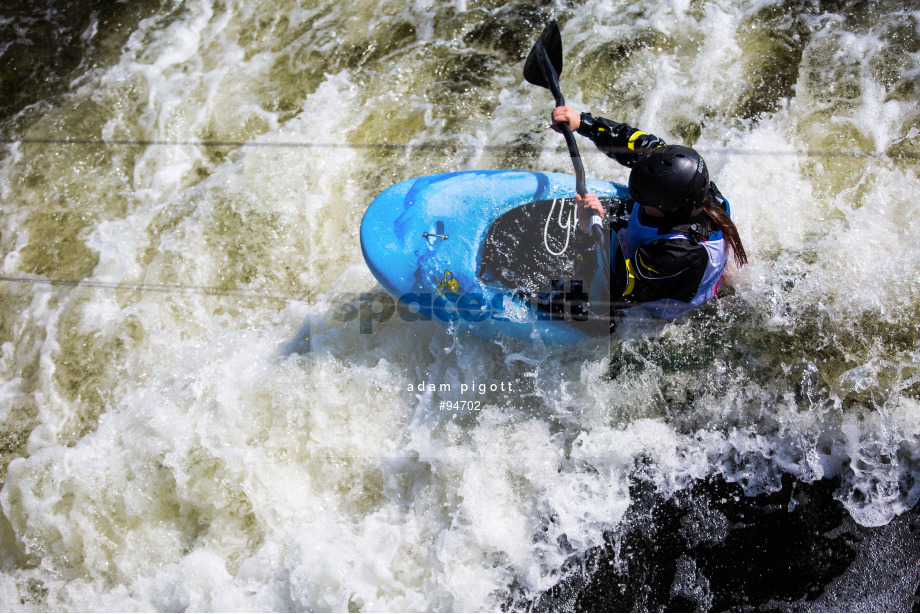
636,234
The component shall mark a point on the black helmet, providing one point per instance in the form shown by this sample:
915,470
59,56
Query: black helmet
668,177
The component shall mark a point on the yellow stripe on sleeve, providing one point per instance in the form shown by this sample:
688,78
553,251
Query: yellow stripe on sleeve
632,139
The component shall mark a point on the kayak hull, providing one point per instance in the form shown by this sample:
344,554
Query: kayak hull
427,241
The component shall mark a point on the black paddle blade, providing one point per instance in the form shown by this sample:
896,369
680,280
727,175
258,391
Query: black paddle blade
551,41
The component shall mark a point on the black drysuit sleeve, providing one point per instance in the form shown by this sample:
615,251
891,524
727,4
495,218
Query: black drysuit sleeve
621,142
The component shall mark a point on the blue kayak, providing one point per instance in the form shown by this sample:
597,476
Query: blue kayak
488,252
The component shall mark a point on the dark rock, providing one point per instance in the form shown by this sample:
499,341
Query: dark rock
509,32
711,548
45,45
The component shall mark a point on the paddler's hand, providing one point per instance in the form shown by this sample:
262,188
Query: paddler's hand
566,115
588,206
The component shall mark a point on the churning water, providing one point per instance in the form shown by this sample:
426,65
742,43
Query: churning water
193,416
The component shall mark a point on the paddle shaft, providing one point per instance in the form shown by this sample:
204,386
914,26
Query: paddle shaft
547,76
552,79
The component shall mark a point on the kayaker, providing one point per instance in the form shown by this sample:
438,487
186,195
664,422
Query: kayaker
670,251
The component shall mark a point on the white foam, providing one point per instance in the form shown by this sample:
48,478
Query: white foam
201,444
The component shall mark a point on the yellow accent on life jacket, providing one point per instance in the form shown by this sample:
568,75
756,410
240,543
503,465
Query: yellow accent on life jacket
630,277
645,266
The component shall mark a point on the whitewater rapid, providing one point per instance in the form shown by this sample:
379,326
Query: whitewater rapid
190,421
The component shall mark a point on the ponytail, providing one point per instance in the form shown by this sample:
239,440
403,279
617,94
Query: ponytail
721,221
